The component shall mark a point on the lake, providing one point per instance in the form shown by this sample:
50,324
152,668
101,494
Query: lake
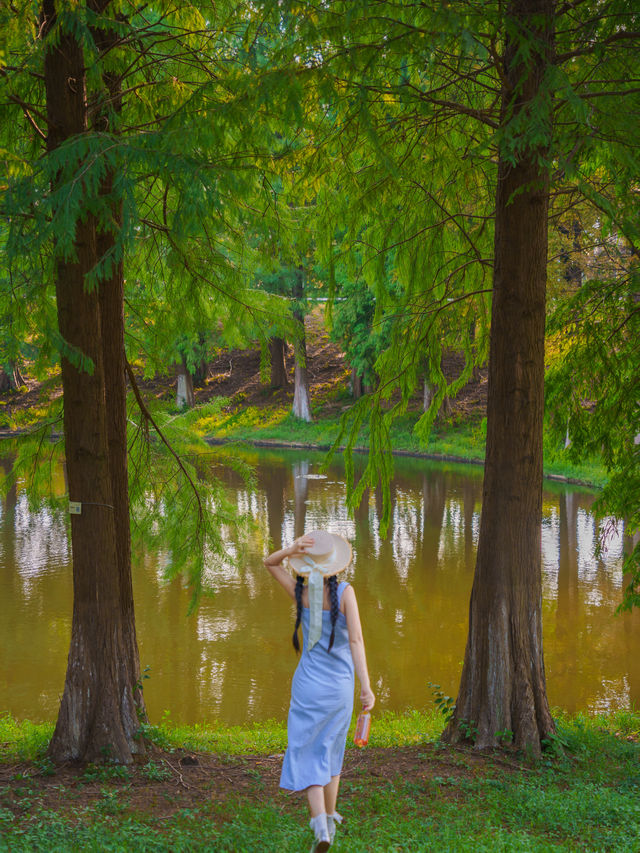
232,660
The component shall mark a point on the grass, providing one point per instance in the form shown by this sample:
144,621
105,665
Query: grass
583,795
459,440
27,741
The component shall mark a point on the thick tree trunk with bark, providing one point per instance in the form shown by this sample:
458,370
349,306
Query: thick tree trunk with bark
503,686
301,397
111,296
97,717
113,354
279,378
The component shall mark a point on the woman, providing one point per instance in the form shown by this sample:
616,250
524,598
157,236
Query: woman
322,687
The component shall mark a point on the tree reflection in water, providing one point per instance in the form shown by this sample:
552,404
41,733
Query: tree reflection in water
232,660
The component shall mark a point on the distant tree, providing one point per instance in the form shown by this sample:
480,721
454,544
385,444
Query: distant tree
277,280
301,406
291,276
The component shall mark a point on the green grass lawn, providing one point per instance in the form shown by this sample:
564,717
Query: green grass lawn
404,793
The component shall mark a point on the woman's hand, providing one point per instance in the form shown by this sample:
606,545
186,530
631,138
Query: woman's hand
367,698
299,546
274,562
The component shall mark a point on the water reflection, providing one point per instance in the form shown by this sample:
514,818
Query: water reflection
232,660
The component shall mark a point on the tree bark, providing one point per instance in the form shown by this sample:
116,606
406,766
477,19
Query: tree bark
279,377
446,409
301,398
111,296
11,379
185,397
97,717
202,367
356,384
503,687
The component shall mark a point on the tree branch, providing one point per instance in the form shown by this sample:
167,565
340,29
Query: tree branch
622,35
147,414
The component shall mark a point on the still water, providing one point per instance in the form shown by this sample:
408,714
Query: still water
232,660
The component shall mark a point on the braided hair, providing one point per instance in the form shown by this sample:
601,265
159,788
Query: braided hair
298,592
335,607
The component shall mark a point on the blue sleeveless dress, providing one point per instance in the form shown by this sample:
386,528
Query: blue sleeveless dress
321,706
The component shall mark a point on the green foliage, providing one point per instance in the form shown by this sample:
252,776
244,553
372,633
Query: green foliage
180,505
189,164
23,740
463,441
154,771
355,327
269,736
469,730
594,386
105,772
409,155
446,705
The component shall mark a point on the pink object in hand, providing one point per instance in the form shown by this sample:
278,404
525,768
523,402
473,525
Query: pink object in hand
363,727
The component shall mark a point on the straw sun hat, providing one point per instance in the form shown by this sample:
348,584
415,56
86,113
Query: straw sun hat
329,552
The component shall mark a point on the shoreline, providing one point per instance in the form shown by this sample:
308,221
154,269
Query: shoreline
280,444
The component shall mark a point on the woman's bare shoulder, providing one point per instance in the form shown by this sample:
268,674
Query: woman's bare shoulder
348,598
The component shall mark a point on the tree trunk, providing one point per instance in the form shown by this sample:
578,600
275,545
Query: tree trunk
279,377
111,295
427,394
301,398
571,258
113,353
202,367
11,379
97,717
446,409
356,384
185,398
503,687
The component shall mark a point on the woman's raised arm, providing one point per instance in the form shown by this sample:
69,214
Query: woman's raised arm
274,562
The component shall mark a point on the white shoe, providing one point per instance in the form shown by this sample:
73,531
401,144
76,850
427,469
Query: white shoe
319,825
332,821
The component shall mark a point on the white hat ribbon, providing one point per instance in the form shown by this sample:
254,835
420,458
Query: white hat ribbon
316,593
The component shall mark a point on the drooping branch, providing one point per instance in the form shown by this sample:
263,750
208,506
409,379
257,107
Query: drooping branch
147,414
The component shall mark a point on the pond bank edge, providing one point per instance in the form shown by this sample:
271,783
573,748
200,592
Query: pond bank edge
415,454
295,445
